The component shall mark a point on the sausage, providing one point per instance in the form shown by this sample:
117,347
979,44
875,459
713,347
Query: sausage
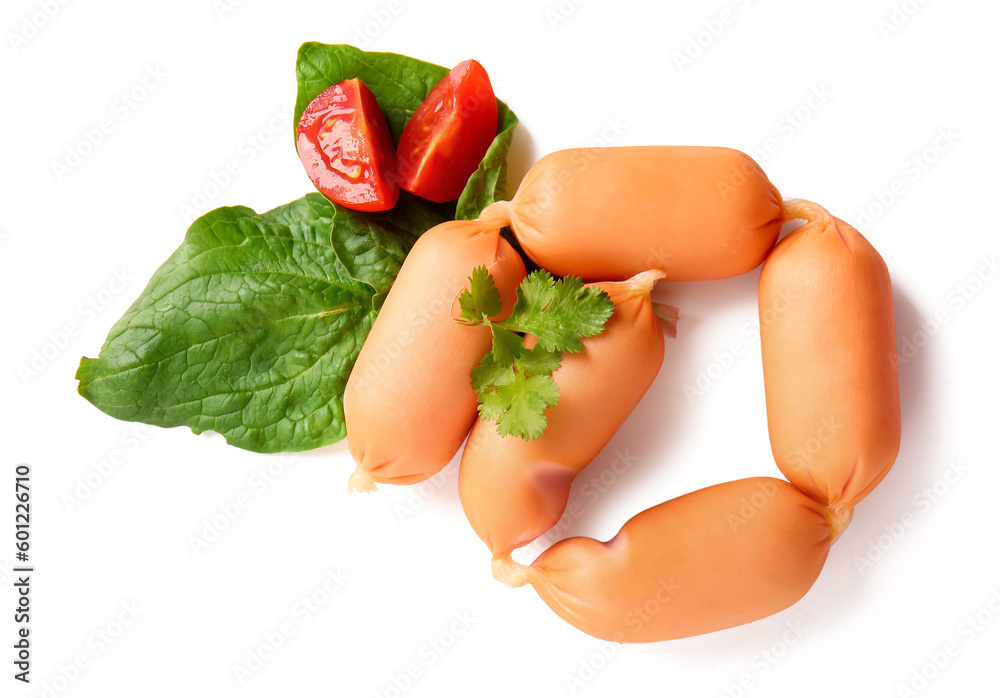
828,341
514,490
711,559
409,402
609,213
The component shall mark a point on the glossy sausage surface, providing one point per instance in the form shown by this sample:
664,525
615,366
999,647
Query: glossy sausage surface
409,401
828,340
514,490
711,559
609,213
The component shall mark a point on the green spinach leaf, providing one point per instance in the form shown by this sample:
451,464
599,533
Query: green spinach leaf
400,84
372,246
489,182
250,329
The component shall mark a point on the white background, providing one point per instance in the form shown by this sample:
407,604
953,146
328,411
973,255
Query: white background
918,560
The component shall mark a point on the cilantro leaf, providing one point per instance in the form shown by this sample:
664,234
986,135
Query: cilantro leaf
527,398
559,313
492,405
489,374
482,299
538,361
514,384
507,345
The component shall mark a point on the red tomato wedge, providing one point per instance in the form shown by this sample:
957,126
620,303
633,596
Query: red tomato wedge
344,143
448,135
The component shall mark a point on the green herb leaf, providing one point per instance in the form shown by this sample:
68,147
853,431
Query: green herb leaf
559,313
514,383
488,374
507,346
400,84
538,361
250,329
481,300
526,398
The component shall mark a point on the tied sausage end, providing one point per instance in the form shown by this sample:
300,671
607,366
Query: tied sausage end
511,573
838,518
642,283
361,481
497,211
805,210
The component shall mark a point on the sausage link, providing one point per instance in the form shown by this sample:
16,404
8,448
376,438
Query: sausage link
514,490
828,340
409,402
609,213
711,559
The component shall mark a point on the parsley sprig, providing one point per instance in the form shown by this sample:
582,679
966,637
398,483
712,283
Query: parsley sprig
514,383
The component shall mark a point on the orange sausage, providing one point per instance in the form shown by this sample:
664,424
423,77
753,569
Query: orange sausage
609,213
409,402
827,340
712,559
514,490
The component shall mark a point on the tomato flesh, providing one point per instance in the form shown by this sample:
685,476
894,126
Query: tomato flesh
344,143
448,135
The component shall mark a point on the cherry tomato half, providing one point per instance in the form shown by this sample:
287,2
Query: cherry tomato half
344,143
448,135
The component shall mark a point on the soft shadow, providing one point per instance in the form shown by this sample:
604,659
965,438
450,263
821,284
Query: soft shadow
523,154
846,574
662,414
915,465
840,585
